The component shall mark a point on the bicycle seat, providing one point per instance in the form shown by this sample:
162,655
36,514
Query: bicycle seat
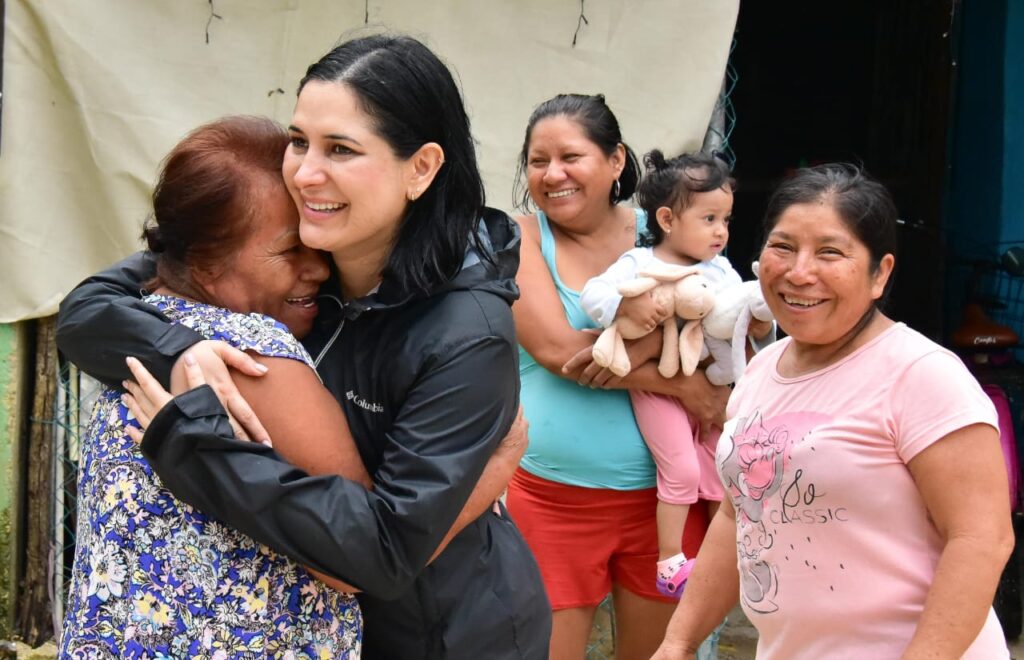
979,332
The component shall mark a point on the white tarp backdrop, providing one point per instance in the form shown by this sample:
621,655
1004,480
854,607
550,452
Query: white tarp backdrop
95,93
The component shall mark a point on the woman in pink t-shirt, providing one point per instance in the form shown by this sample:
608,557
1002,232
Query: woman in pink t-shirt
867,514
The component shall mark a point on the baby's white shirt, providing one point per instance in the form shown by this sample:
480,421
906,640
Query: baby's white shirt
600,297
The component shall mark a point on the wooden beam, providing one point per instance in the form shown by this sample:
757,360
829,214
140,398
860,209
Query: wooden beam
15,343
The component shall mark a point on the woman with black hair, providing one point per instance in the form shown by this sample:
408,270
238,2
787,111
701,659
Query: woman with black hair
866,513
419,348
584,495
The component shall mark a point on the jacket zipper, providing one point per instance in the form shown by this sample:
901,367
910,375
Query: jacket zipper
330,342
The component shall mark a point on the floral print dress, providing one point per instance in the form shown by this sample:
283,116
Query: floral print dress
155,578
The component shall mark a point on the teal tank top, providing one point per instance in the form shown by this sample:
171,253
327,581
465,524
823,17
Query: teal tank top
580,436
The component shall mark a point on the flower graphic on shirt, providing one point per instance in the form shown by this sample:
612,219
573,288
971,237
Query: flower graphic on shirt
107,574
120,491
151,613
760,459
254,598
754,464
755,453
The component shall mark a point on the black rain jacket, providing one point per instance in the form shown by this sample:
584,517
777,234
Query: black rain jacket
429,386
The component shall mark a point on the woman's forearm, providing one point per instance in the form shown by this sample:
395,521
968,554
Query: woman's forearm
103,321
574,361
492,483
552,354
701,399
646,377
711,591
960,597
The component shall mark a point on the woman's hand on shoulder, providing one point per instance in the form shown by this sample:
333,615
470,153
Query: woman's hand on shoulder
146,396
214,359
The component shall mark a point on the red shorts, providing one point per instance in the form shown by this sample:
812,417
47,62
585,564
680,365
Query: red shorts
586,539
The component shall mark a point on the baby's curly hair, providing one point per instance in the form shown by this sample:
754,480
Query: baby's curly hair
673,182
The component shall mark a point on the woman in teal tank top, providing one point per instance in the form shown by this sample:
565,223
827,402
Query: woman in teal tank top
584,494
616,456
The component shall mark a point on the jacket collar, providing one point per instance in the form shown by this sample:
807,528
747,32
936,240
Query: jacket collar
498,235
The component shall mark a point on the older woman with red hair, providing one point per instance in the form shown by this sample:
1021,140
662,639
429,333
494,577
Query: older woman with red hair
153,576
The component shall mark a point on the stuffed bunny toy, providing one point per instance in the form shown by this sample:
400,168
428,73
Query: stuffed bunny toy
681,289
726,327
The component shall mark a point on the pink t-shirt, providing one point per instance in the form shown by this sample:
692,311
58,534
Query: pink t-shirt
835,550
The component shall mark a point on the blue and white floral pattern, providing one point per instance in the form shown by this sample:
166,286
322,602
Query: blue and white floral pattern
154,578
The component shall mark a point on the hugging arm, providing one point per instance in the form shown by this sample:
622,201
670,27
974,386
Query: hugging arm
446,430
323,444
103,320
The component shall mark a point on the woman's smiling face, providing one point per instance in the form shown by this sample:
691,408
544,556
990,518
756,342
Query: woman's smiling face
817,276
272,273
345,179
567,173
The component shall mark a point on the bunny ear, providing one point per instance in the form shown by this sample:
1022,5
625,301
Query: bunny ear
668,272
739,343
669,364
604,347
691,342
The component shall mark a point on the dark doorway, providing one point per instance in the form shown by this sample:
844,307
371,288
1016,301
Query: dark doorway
867,81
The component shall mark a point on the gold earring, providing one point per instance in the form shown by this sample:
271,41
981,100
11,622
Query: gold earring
413,194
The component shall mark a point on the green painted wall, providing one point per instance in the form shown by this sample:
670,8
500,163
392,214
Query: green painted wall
13,348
